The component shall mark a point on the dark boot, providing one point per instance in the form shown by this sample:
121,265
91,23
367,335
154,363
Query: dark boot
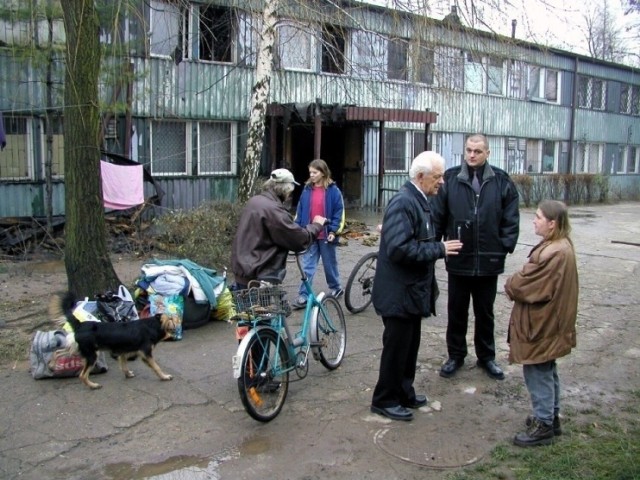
538,434
557,429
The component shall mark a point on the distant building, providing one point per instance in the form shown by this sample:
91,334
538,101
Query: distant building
363,87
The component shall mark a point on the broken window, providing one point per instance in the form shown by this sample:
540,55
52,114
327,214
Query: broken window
494,76
473,73
516,79
423,64
333,49
216,26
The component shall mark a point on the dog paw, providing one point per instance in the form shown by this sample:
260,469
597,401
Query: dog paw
167,377
129,374
94,386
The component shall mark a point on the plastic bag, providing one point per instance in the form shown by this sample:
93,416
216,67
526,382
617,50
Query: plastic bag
117,307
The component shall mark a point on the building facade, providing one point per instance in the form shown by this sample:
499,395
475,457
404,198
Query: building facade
363,87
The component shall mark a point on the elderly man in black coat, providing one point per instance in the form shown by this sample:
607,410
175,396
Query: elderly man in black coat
405,288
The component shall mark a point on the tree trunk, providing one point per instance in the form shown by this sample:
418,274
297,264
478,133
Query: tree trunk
88,265
259,102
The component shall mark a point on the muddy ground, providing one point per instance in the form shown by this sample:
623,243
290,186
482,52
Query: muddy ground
194,427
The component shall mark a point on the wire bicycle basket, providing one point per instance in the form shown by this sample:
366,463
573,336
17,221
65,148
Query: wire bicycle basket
260,302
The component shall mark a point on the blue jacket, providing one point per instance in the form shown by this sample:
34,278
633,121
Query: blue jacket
333,209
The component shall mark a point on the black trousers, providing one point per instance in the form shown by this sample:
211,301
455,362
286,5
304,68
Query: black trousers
400,344
483,292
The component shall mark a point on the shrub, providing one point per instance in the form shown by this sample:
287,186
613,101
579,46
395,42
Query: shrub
524,184
203,235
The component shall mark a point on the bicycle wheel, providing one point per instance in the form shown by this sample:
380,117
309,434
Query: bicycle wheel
330,333
357,294
264,378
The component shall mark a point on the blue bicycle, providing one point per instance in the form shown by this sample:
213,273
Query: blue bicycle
269,352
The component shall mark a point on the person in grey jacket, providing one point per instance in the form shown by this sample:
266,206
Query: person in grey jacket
405,288
266,233
479,206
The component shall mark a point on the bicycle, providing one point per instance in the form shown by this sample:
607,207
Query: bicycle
357,293
269,351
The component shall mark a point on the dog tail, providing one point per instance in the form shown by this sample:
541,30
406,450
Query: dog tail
61,307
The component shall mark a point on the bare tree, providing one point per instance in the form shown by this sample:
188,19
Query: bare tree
87,262
259,100
603,35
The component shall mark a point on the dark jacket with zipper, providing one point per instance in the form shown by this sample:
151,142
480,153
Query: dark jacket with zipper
487,224
405,284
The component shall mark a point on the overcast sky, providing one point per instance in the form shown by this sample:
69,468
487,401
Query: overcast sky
555,23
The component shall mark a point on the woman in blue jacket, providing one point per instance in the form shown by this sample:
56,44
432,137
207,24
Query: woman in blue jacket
321,196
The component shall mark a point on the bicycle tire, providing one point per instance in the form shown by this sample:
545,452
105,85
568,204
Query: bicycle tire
357,294
330,333
264,383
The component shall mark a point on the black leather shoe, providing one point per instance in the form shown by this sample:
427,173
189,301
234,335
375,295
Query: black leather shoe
492,369
557,428
537,434
450,367
418,401
394,413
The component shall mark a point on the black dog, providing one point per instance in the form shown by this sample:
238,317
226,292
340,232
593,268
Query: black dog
121,339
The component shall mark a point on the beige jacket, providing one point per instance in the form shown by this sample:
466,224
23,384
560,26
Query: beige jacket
545,291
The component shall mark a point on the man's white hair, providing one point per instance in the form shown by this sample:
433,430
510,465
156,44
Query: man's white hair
424,163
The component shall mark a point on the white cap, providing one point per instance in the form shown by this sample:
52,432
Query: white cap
282,175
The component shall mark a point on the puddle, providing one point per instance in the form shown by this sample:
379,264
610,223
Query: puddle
185,467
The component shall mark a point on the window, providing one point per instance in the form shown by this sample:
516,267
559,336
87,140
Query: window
473,73
618,162
633,157
248,38
57,146
483,74
418,143
164,23
543,84
397,59
449,64
516,79
395,151
333,49
516,155
423,64
591,93
172,148
170,152
215,39
369,54
587,158
630,99
295,47
16,158
548,156
215,152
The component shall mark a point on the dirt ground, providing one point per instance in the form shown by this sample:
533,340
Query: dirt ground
195,428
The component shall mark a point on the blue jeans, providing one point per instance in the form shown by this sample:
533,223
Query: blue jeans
544,389
326,251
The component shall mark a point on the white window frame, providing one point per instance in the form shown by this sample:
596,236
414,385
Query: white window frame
160,13
516,72
233,161
635,158
537,77
58,142
193,38
187,149
556,146
293,47
449,68
408,144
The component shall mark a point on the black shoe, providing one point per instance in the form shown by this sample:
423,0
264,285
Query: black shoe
538,434
418,401
450,367
492,369
394,413
557,429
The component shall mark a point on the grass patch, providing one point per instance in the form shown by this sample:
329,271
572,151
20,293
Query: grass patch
605,449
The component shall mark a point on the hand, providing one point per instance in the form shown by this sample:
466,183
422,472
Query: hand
451,247
319,219
331,237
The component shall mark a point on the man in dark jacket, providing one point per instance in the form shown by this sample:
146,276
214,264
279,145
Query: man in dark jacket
479,206
266,233
405,288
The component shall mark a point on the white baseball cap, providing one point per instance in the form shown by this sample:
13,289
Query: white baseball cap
282,175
